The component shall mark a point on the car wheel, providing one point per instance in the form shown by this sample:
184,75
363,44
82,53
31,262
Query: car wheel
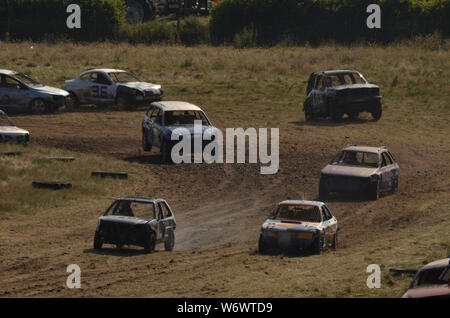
395,185
374,190
309,116
262,247
150,243
317,246
145,145
334,242
72,102
38,106
353,115
98,242
376,113
336,113
166,153
170,242
122,102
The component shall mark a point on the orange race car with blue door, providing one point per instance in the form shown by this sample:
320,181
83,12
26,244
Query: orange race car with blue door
299,225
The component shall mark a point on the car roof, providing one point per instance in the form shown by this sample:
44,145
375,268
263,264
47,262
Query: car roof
437,264
331,72
175,105
301,202
137,199
105,70
365,149
7,72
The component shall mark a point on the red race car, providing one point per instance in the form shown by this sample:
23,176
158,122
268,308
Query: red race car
432,280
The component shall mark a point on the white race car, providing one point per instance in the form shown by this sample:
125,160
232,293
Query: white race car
110,86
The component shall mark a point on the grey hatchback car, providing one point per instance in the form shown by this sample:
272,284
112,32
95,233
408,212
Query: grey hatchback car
20,93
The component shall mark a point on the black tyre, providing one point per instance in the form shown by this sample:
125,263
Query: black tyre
98,242
166,153
317,246
377,111
170,242
334,242
309,115
336,113
72,102
150,243
262,247
38,106
145,145
374,190
122,102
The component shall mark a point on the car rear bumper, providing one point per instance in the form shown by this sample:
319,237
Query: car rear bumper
357,104
345,184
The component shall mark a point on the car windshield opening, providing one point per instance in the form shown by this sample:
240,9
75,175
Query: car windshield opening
300,213
123,77
356,158
432,276
184,118
27,80
144,210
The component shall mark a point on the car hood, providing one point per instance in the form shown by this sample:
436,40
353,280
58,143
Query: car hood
350,171
171,129
277,225
428,291
123,219
51,90
143,86
12,130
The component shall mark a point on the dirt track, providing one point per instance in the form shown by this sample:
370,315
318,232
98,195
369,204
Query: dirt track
219,210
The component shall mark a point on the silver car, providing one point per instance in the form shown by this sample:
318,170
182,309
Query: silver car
11,133
20,93
110,86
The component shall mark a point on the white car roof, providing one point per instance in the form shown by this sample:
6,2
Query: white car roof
7,72
105,70
301,202
175,105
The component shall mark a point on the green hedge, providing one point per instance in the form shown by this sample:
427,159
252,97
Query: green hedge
37,19
320,20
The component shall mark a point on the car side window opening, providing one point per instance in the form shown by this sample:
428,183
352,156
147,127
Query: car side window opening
102,79
166,210
93,77
327,213
319,83
156,116
85,77
386,160
9,82
391,158
160,213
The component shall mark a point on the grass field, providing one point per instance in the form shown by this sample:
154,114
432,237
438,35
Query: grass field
220,207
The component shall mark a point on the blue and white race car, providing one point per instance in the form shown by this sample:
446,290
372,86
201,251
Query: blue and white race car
21,93
297,225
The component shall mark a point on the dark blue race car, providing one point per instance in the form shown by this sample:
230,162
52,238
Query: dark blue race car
164,119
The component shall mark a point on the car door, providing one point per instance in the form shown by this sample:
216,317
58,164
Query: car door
386,172
156,126
319,95
332,223
13,95
325,225
167,221
101,88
